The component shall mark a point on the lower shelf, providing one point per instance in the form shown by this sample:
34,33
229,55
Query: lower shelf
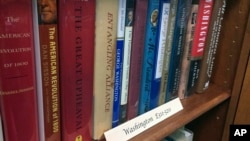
193,107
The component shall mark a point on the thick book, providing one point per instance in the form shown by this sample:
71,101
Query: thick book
161,34
129,22
47,71
76,40
18,98
206,66
168,50
182,15
136,57
119,62
186,57
104,65
148,55
198,47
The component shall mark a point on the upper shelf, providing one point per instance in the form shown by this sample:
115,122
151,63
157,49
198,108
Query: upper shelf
193,107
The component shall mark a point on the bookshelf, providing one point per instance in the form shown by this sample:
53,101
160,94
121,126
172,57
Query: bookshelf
194,106
209,115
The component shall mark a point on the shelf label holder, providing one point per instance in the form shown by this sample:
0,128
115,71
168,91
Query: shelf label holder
143,122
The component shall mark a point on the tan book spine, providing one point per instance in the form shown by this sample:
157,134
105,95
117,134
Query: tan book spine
104,61
167,53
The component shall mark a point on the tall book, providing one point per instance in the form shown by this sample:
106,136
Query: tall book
200,37
137,48
211,44
168,50
18,99
182,15
119,62
148,55
47,69
76,41
164,10
186,58
104,65
129,22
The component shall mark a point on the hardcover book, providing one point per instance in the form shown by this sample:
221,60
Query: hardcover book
168,50
104,65
119,62
200,37
186,58
18,99
76,41
211,44
47,70
137,48
164,10
129,22
201,29
182,15
148,55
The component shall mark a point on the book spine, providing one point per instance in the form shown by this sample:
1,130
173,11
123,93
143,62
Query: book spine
148,56
76,40
126,58
38,71
185,65
104,65
118,62
48,47
164,10
18,99
200,37
201,30
211,44
168,50
182,15
136,57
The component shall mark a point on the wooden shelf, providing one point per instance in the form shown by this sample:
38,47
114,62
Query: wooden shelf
194,106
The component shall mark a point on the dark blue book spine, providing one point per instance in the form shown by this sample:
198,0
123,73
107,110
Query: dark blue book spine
164,10
118,63
148,56
177,48
117,84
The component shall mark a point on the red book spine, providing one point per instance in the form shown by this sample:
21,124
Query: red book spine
18,99
76,41
49,70
201,29
136,57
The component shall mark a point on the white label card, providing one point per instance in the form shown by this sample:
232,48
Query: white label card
143,122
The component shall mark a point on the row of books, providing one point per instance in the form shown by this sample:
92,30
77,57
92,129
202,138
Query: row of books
71,70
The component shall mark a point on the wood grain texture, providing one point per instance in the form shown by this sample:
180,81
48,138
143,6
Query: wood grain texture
243,112
241,8
194,106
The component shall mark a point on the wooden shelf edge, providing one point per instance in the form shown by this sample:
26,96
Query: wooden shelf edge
193,107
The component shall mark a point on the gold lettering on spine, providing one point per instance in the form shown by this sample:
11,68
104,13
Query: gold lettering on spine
54,79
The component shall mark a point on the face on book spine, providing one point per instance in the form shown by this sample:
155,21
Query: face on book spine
47,10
